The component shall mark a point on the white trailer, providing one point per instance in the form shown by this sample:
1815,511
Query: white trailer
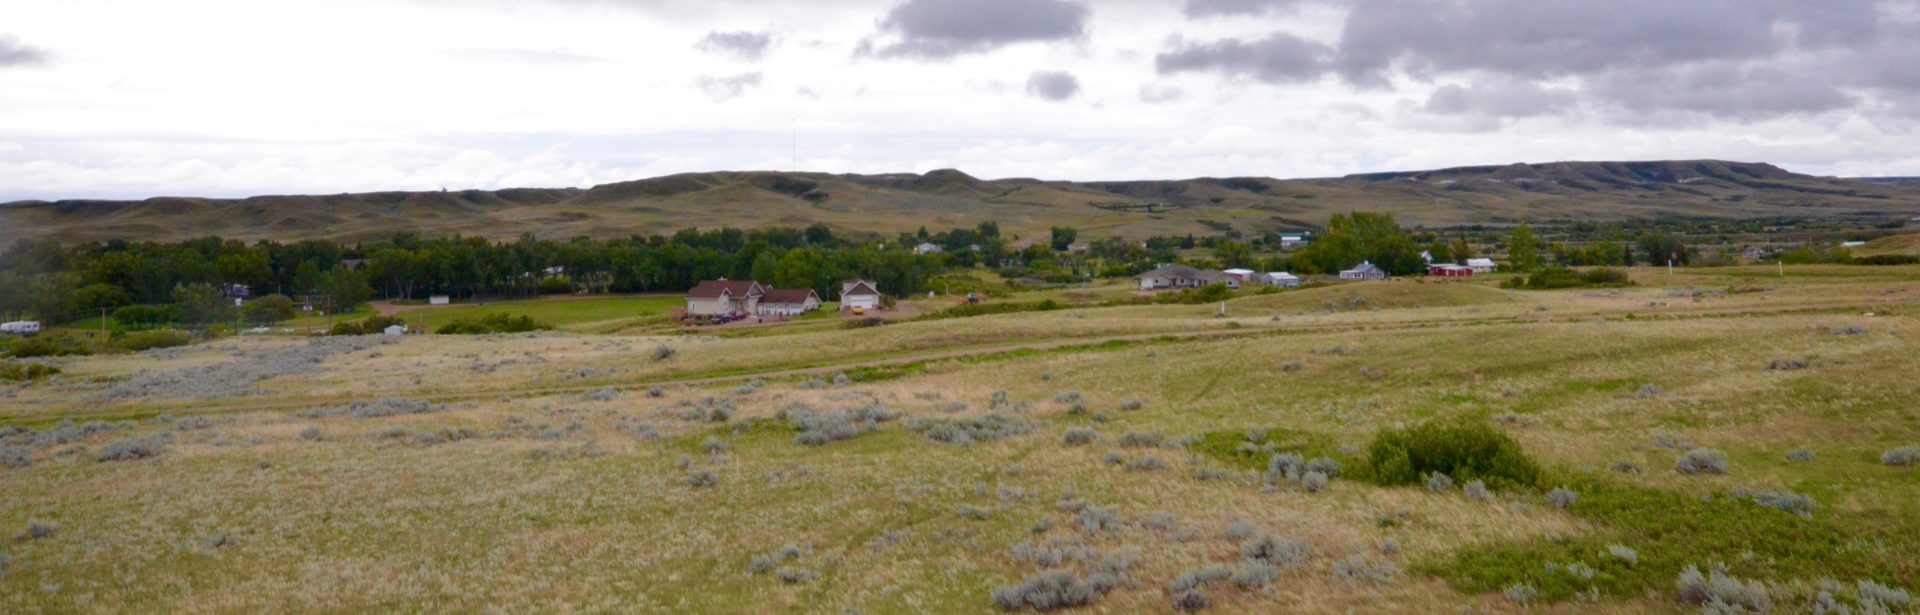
20,327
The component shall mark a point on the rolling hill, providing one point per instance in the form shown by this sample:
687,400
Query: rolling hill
948,198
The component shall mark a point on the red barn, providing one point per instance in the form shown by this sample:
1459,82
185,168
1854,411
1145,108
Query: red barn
1446,270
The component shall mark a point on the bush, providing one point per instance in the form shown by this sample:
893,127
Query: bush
968,431
1075,436
1438,482
372,325
1359,570
16,456
1905,456
663,352
1478,492
40,530
47,345
1465,450
1717,591
1787,364
1190,601
1701,461
1046,591
1562,497
493,323
1276,551
1553,278
21,372
133,448
148,340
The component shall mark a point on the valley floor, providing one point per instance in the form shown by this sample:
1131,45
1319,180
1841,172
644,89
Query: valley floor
920,466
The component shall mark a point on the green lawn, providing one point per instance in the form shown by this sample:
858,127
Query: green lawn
601,314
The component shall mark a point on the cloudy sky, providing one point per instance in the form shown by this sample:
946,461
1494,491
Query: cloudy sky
125,98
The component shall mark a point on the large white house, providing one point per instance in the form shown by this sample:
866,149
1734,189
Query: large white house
1365,271
1181,276
863,294
788,302
723,296
1283,279
1480,265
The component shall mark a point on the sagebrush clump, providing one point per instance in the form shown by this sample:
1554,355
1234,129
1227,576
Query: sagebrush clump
1716,591
1075,436
1701,461
1905,456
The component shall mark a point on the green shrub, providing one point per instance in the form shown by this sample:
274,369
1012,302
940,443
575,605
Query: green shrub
47,346
372,325
493,323
1553,278
21,372
158,338
1463,450
146,316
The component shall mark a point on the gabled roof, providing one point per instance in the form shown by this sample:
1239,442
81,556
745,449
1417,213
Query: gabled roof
1363,267
1174,271
1480,262
859,287
794,296
714,289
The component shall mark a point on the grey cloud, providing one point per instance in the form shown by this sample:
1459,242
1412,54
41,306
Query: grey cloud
1721,90
742,45
940,29
1579,37
1279,58
729,87
1052,85
1496,98
1160,93
1210,8
15,53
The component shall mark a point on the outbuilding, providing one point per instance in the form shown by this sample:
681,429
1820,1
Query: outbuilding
788,302
1481,265
863,294
1365,271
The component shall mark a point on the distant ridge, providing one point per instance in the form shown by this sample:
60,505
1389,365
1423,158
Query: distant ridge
889,203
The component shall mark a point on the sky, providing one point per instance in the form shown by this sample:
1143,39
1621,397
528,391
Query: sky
228,98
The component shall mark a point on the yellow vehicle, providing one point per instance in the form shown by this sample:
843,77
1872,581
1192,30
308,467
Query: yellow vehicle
859,310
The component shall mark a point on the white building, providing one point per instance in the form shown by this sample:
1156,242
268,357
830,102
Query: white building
20,327
724,297
439,300
1283,279
927,248
1365,271
1481,265
788,302
395,330
863,294
1181,276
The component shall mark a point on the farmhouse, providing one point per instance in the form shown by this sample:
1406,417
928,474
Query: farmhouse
1366,271
723,297
1243,275
927,248
1480,265
788,302
863,294
1449,270
1283,279
1182,276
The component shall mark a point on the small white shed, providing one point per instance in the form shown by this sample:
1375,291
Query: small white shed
439,300
396,330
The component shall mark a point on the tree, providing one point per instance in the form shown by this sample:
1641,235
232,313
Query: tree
1461,250
1661,248
201,303
348,288
1523,249
1362,236
1232,254
1063,237
267,310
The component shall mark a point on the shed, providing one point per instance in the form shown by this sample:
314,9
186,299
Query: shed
1481,265
395,330
863,294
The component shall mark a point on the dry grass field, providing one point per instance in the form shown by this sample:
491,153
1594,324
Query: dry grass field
932,466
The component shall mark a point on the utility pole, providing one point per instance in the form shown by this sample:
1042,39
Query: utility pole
103,322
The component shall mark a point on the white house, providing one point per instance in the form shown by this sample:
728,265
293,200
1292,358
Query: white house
1293,240
723,296
927,248
1480,265
20,327
439,300
395,330
1283,279
1243,275
1181,276
863,294
788,302
1365,271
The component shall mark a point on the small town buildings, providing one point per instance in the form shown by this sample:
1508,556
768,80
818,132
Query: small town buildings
1481,265
927,248
724,297
1283,279
1181,276
863,294
788,302
1449,270
1366,271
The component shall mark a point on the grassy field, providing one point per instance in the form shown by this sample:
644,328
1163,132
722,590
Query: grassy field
588,314
932,465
